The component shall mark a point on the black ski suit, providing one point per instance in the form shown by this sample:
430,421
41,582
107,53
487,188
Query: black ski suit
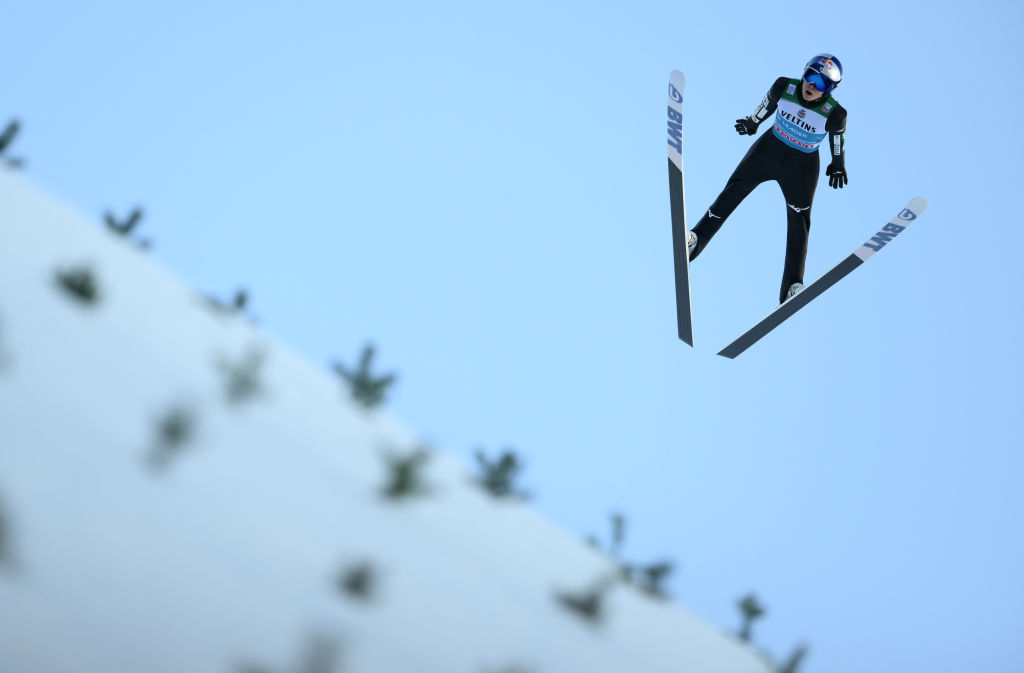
796,171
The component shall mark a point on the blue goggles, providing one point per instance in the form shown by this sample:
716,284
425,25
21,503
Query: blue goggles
819,82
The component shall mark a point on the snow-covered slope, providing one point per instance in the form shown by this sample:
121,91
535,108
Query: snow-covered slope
179,493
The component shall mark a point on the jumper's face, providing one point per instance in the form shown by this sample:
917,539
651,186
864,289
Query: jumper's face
810,91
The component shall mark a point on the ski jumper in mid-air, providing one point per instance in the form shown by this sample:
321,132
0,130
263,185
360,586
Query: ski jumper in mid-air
805,113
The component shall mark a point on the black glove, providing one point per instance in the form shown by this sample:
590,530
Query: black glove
836,176
746,126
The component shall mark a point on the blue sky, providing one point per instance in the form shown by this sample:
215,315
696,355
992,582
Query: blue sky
480,190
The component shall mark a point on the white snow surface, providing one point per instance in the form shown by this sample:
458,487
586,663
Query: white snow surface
228,559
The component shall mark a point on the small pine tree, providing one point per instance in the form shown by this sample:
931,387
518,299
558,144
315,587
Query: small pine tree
80,284
175,430
236,306
618,534
242,379
649,579
750,611
405,475
6,139
367,389
618,523
497,477
652,578
792,664
124,228
358,581
590,604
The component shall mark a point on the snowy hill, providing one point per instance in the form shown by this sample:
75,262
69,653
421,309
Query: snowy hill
179,493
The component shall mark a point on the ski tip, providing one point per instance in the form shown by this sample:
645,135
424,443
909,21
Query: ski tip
677,77
918,204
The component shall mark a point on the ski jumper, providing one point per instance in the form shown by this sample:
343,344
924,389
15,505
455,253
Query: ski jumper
788,155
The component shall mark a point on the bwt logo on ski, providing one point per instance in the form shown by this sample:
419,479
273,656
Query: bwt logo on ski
888,232
675,123
674,93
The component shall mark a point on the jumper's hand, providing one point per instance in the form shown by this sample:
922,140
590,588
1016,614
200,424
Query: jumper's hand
746,126
836,176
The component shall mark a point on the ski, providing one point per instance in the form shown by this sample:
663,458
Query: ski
676,82
808,294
